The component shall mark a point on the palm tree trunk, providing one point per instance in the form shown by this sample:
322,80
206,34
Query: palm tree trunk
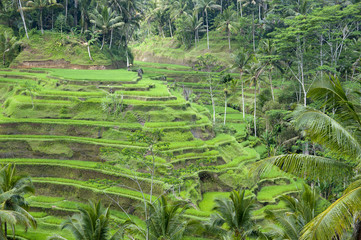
41,21
4,55
229,40
195,39
111,38
225,109
152,178
242,86
101,48
170,28
213,105
255,109
253,37
126,53
271,85
240,8
207,30
90,56
66,10
23,19
52,19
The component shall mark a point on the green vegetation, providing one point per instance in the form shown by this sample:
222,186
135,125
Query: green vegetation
219,119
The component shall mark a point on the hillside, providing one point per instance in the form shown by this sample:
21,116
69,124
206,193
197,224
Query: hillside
169,50
57,50
73,149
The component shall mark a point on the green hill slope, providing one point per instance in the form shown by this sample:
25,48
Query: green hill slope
56,50
168,50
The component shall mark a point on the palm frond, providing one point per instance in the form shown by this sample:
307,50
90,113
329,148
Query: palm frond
336,219
301,165
328,132
335,99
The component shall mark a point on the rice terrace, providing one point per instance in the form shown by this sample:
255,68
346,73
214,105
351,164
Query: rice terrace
180,119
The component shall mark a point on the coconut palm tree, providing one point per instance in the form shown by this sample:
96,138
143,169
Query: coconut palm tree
92,223
106,20
23,18
227,22
166,219
299,210
255,73
230,86
205,6
8,44
235,212
337,128
92,37
271,60
242,61
177,9
194,25
13,205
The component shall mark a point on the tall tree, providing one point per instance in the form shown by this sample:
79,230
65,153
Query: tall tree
106,20
40,6
208,63
337,128
255,73
271,61
227,22
205,6
242,61
14,207
8,44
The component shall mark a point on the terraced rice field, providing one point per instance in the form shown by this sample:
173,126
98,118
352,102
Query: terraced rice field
65,133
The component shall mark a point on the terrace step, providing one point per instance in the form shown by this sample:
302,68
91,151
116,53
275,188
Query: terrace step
83,191
54,169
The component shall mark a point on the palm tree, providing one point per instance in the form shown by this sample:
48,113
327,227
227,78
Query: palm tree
299,210
8,43
271,60
235,213
23,18
242,62
255,73
178,8
85,7
227,23
230,86
12,188
40,5
106,20
205,6
166,220
194,25
338,129
93,36
92,223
